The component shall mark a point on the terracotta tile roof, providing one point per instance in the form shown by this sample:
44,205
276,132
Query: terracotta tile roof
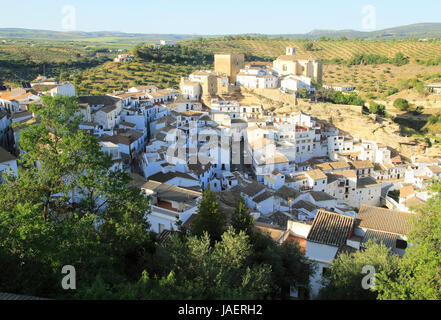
388,239
389,166
45,88
407,191
165,177
414,202
435,169
379,219
396,159
316,174
379,167
252,189
98,100
128,124
275,232
262,197
339,165
367,182
324,166
320,196
362,164
12,96
308,206
331,228
299,177
287,193
343,174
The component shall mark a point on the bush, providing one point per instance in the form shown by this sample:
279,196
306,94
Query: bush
376,108
367,59
434,118
400,59
418,110
401,104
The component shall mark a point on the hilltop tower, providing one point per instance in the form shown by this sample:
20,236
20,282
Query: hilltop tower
291,51
230,64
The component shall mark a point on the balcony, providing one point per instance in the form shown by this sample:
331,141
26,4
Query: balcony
301,129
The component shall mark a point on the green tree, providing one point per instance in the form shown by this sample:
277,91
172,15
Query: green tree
289,266
419,273
400,59
67,207
241,219
193,269
308,46
401,104
209,218
376,108
344,279
303,93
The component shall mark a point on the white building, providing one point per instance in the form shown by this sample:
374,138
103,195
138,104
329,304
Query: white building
169,204
167,43
191,90
295,83
257,77
339,87
125,57
328,234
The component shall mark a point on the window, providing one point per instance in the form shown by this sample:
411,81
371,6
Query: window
401,244
161,227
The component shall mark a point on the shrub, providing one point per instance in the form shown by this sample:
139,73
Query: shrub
401,104
376,108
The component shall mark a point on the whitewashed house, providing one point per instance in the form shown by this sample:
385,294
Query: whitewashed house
329,234
169,204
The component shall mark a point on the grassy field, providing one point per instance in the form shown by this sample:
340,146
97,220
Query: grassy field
324,50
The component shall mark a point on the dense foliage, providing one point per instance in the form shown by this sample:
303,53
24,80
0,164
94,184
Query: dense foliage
67,207
402,104
344,281
174,54
372,59
376,108
419,277
329,95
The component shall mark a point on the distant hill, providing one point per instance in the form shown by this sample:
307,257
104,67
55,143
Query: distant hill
421,30
18,33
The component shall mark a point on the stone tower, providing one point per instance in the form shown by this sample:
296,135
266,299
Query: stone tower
229,64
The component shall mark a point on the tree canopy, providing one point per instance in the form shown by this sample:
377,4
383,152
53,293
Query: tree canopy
419,276
344,280
66,207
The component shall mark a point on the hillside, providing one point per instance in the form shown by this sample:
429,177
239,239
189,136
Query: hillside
324,50
420,30
19,33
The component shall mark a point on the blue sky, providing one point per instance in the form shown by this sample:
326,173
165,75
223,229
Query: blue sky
215,16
